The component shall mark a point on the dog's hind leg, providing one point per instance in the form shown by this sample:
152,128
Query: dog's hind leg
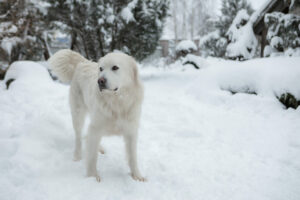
101,149
78,111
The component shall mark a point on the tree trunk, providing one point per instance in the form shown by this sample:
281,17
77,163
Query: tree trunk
47,52
100,43
184,20
175,21
263,40
85,47
73,40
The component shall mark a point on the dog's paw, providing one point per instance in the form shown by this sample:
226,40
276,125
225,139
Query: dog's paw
77,158
138,178
101,149
98,179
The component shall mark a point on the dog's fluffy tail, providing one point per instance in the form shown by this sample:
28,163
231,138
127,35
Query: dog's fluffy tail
63,64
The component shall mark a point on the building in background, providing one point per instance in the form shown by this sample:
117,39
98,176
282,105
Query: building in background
284,6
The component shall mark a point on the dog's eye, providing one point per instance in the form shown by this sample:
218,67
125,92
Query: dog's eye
114,68
101,69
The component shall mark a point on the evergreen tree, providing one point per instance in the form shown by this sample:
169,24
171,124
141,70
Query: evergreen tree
242,41
283,31
22,31
145,30
229,10
101,26
215,43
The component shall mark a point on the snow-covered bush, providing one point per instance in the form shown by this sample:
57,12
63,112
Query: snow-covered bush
197,61
229,11
185,47
275,48
283,31
292,52
268,50
277,43
242,41
213,44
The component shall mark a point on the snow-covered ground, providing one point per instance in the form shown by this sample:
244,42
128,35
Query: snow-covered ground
196,141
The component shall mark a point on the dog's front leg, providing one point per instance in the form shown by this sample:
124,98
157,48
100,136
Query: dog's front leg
92,143
131,149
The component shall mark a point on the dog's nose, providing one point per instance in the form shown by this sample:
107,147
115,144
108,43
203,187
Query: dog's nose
102,81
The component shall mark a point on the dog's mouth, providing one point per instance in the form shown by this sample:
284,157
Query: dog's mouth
102,89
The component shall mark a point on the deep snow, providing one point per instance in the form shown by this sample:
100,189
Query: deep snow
196,140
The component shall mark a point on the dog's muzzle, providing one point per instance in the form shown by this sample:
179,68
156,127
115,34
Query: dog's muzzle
102,83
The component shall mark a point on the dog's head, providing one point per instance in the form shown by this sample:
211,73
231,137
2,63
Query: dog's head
116,71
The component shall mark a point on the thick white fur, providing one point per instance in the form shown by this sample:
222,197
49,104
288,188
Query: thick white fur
111,112
64,62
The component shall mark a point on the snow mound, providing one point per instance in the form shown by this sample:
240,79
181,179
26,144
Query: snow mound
27,70
192,135
27,74
186,45
265,77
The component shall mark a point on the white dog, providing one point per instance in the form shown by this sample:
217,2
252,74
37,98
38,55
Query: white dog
111,92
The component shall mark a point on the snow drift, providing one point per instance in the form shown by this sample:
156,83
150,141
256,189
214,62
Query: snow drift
196,140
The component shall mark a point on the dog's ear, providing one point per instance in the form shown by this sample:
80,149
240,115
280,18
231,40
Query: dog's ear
135,71
135,74
100,60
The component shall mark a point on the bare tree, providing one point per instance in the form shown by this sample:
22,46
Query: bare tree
189,18
184,21
174,11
